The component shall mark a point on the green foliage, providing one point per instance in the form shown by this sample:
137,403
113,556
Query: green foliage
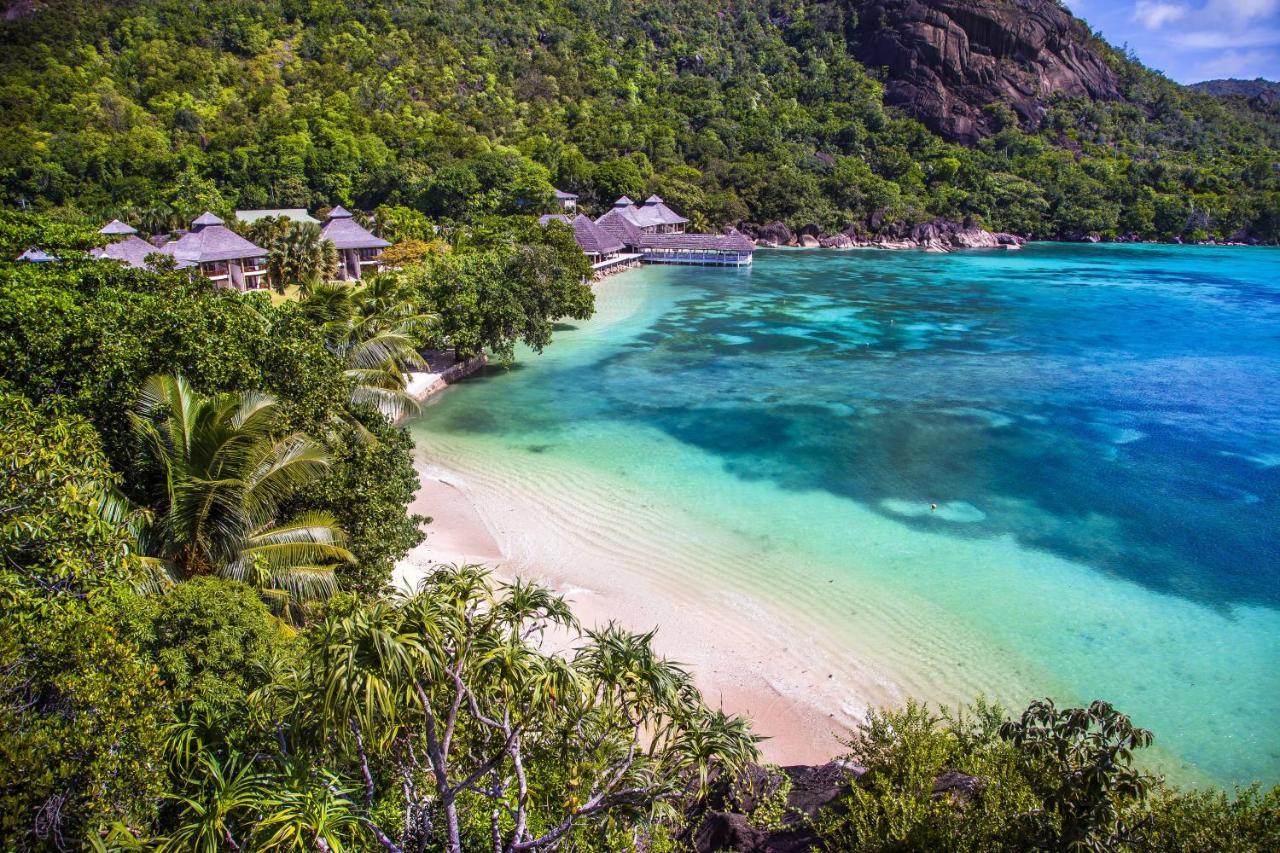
895,807
1080,762
300,255
510,282
88,335
80,707
208,635
220,471
374,329
1209,821
297,253
1052,779
751,111
20,231
57,536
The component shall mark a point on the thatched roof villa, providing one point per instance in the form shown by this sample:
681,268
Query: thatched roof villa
657,233
132,250
358,249
223,256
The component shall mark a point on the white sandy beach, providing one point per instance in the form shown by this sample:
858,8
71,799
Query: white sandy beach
734,657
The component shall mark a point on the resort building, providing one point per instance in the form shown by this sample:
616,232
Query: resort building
657,234
730,249
293,214
131,250
358,249
568,202
652,217
223,256
605,252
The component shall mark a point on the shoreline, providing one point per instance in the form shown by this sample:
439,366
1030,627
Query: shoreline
729,644
717,637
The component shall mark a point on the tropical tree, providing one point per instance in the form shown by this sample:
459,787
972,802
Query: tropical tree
1080,763
448,688
219,473
299,254
373,329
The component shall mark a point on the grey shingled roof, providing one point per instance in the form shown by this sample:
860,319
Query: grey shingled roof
730,241
594,239
553,217
115,226
345,233
295,214
210,240
132,250
620,227
653,212
561,194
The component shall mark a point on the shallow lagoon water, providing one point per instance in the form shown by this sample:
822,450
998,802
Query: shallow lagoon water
1099,427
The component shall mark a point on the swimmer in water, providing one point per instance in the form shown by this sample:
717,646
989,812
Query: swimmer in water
933,507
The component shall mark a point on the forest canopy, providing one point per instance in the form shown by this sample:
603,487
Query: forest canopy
155,110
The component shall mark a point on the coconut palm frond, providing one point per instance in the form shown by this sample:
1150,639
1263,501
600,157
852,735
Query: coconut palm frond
378,377
279,470
306,583
225,475
384,348
390,403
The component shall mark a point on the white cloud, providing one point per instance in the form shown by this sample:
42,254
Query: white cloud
1241,11
1224,39
1154,14
1233,63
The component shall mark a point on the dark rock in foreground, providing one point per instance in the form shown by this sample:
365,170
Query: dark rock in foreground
726,820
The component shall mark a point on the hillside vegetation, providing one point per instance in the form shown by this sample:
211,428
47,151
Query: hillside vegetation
755,110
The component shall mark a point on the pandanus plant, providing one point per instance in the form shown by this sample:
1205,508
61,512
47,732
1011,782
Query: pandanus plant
220,470
453,677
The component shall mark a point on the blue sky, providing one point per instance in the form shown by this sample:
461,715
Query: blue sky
1192,40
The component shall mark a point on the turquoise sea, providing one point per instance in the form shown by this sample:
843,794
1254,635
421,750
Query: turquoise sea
1098,426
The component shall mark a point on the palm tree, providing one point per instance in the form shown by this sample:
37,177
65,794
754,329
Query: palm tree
301,255
372,329
220,476
160,218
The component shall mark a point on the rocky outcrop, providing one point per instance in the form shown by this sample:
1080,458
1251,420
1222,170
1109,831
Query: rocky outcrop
947,60
725,825
725,821
773,234
937,235
960,788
